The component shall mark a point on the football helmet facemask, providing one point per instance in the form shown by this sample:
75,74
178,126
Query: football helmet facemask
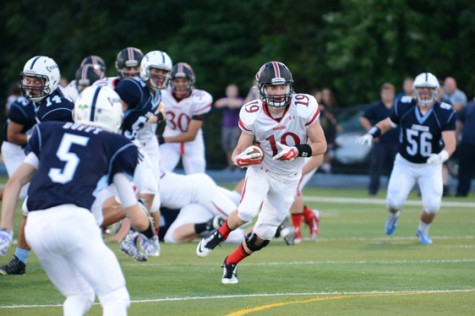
159,60
426,80
129,57
39,78
99,106
274,73
182,70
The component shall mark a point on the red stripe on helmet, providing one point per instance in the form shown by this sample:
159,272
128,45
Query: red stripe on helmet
84,72
276,69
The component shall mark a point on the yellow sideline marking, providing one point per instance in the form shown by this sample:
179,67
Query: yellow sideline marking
317,299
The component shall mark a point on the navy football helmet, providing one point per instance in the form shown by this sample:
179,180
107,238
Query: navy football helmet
128,62
274,73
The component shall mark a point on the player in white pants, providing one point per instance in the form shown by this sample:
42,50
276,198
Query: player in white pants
427,140
286,127
183,227
185,108
61,228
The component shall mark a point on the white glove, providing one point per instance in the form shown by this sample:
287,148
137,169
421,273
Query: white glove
438,159
286,153
366,139
6,237
246,158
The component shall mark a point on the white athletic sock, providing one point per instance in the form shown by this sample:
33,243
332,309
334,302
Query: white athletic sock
76,305
424,228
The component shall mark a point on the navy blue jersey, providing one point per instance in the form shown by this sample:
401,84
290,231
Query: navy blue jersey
54,107
142,103
421,135
75,163
377,112
22,112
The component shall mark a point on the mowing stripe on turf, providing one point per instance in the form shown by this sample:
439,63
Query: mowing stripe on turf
330,294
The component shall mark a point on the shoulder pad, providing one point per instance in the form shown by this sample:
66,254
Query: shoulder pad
249,113
306,105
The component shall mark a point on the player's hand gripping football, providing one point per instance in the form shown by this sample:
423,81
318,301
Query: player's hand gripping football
252,155
6,237
286,153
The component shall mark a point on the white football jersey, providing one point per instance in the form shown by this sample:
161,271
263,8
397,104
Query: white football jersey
290,130
110,82
179,113
70,91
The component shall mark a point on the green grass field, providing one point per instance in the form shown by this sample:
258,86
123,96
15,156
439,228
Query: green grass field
352,269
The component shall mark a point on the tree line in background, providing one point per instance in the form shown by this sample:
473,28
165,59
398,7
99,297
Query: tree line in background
352,46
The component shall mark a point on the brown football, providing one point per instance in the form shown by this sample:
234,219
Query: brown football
256,149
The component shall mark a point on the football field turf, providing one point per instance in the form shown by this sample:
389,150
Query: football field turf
352,269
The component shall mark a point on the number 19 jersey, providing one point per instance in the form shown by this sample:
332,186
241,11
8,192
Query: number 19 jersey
290,129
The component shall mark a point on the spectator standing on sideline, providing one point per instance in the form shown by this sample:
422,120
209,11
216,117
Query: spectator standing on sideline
457,98
385,148
452,95
427,140
466,148
329,110
231,104
406,89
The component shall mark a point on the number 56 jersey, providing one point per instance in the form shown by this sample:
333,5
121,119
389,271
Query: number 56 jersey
421,134
290,129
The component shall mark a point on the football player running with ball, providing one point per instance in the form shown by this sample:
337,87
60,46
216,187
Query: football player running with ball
285,125
427,140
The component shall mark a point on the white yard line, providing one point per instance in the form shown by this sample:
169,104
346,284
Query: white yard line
345,200
214,297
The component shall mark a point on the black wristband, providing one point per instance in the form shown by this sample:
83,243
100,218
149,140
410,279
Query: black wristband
161,140
375,131
159,116
304,150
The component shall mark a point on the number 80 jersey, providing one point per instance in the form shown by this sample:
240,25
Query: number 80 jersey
421,134
290,129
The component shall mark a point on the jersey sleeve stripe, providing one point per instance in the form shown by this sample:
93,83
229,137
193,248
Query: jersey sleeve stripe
241,124
314,117
203,108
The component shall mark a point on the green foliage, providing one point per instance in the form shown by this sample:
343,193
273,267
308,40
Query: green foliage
351,45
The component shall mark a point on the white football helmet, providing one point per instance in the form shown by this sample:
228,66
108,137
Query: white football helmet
426,80
99,106
160,60
39,67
